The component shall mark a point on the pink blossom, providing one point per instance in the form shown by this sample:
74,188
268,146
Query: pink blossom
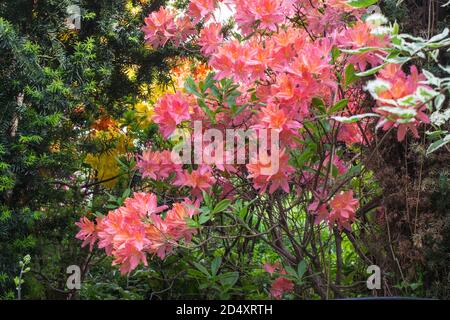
280,286
343,207
87,232
199,9
400,85
199,180
176,219
351,133
157,165
144,204
272,268
262,176
268,13
359,36
274,118
159,27
210,38
170,111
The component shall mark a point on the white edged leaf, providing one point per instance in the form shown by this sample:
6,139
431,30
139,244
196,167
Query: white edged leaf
405,113
370,71
438,144
355,118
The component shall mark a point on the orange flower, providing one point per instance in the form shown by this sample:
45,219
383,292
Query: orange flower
343,207
87,232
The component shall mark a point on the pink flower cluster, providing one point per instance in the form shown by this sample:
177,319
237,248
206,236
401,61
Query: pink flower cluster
399,97
131,232
360,36
210,38
199,9
281,284
162,26
198,180
343,208
170,111
263,178
265,14
284,66
157,165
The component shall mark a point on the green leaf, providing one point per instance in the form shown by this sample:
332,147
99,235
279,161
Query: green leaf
335,52
240,109
221,206
438,144
360,50
301,268
438,101
229,278
207,110
370,71
395,28
361,3
191,87
191,223
215,265
201,268
215,92
425,94
203,286
433,135
209,81
291,271
415,285
398,60
319,104
338,106
126,193
204,218
305,156
432,79
30,139
350,74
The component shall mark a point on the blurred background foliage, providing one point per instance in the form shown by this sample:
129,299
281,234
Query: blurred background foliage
60,91
71,102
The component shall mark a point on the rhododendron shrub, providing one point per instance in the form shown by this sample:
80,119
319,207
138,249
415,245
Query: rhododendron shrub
302,74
